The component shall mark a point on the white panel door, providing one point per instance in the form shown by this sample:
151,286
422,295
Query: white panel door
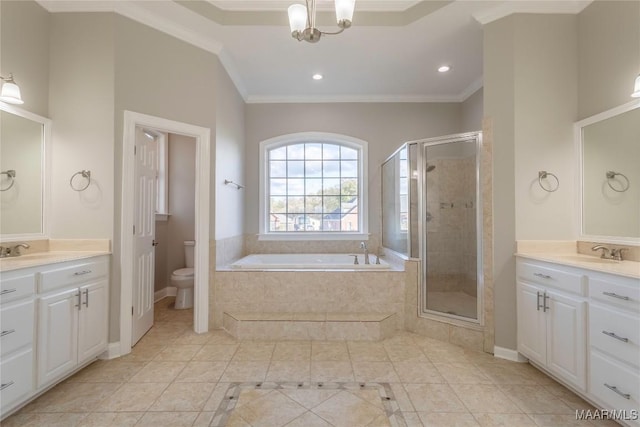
531,323
146,170
57,335
566,333
92,324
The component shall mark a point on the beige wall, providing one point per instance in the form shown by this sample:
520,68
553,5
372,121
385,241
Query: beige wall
24,40
609,55
385,126
230,157
472,112
499,53
81,108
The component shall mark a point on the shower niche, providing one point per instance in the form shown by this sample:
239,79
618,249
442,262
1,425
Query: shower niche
430,212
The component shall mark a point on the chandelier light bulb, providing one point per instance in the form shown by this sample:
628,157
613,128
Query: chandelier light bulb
10,91
302,19
297,18
344,12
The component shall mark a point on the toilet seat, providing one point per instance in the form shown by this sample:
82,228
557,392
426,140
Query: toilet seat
183,272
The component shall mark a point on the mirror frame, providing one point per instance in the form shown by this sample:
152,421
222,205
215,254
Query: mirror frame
578,126
45,165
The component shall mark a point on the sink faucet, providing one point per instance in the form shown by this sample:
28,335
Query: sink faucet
605,251
617,253
12,251
363,245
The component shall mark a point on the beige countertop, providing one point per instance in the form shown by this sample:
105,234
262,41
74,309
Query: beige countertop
36,259
621,268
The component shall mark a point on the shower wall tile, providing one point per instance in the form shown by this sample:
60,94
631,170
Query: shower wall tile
487,232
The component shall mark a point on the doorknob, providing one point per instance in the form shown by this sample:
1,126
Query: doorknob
154,243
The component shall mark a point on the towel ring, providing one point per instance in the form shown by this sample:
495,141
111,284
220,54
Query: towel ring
544,175
85,174
11,175
611,176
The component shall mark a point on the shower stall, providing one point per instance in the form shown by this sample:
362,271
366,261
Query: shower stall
431,211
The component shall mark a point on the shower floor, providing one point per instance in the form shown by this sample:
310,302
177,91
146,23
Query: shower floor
452,302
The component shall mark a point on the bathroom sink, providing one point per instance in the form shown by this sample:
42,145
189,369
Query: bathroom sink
589,259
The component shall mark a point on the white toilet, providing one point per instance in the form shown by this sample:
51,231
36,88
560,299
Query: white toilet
183,278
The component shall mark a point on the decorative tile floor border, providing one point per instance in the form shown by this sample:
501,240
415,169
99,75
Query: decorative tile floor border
232,395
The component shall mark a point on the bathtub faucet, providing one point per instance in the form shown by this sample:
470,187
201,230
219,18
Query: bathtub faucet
363,245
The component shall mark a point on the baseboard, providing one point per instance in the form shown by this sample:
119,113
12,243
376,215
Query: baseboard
169,291
112,351
508,354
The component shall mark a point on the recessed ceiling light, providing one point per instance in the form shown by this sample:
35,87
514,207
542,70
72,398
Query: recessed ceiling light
444,69
317,76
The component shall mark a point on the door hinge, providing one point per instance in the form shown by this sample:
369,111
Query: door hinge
135,150
134,229
132,310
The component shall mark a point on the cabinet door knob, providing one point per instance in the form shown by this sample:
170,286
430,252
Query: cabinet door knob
7,291
543,276
81,273
79,304
613,335
538,301
10,331
86,296
545,307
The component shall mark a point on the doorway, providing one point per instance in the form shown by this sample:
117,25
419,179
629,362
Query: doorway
128,277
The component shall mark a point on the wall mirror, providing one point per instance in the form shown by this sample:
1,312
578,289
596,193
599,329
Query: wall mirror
609,147
24,149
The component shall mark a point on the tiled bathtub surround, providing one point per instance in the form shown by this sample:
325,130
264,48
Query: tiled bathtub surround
229,250
255,246
310,326
309,292
175,378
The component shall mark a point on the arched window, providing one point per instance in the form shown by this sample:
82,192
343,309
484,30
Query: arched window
313,187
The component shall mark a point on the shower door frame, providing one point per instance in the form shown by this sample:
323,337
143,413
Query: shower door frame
423,311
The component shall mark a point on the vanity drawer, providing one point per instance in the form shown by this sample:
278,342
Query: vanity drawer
617,386
17,326
72,273
605,323
15,286
16,376
622,291
548,276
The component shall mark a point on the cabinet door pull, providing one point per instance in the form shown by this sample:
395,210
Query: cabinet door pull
538,301
613,335
543,276
7,291
5,385
81,273
79,304
614,295
545,307
10,331
615,389
86,296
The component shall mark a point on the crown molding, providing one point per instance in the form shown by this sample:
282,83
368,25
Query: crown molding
471,89
531,6
280,5
350,98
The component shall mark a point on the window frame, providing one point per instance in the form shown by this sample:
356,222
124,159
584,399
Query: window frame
315,137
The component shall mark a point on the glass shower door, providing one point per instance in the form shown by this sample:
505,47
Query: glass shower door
451,232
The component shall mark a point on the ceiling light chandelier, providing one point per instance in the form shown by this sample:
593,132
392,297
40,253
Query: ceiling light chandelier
302,19
10,91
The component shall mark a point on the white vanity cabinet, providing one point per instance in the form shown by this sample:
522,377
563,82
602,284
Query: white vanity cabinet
72,317
552,306
614,339
54,320
17,301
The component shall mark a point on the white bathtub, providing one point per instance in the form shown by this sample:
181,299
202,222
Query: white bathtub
307,262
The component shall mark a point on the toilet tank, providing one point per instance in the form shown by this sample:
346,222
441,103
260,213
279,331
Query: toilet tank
189,246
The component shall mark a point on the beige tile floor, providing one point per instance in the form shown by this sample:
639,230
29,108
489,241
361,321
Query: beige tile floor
174,377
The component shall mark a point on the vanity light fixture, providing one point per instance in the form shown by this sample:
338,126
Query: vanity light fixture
10,91
302,19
